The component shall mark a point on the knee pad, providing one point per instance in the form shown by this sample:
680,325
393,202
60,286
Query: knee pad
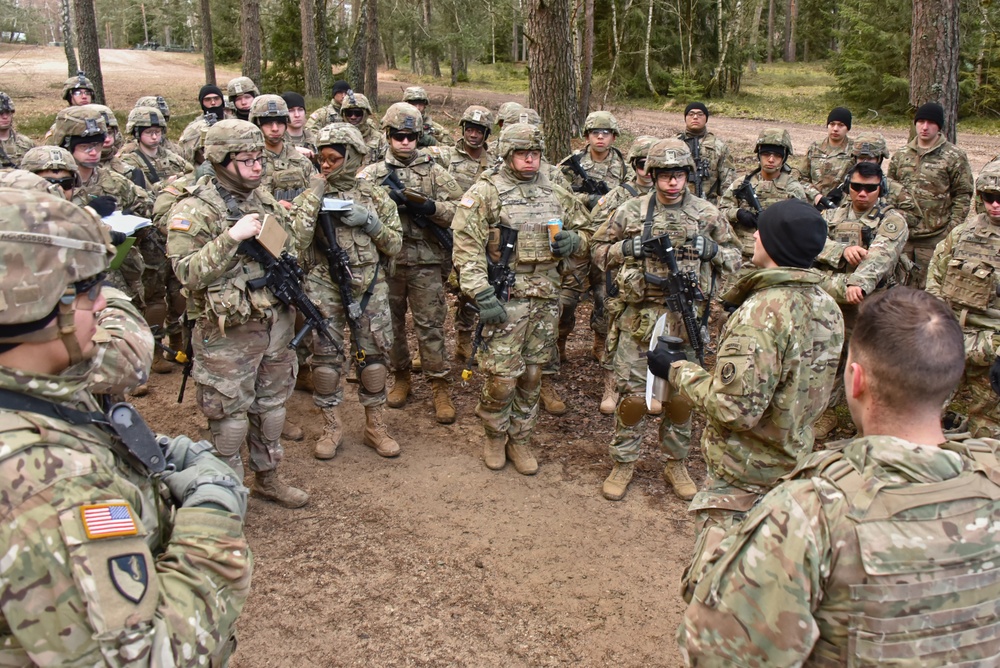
531,378
155,314
373,378
326,380
499,390
631,409
229,434
271,424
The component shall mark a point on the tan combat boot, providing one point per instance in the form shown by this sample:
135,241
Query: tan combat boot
598,348
521,456
551,402
444,410
676,475
376,433
463,346
333,434
561,345
825,425
416,364
615,484
267,485
609,402
291,431
400,391
304,381
160,363
494,452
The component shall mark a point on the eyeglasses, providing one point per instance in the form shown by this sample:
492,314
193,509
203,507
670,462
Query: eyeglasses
66,183
354,113
600,133
696,114
990,198
671,174
95,147
403,136
77,92
90,286
250,162
867,187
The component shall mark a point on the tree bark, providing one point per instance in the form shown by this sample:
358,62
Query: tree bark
88,45
356,60
67,37
934,51
250,27
323,48
770,30
755,26
207,47
791,18
433,60
649,35
551,89
371,54
587,66
310,61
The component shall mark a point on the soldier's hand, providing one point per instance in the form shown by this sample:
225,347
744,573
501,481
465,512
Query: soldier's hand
566,243
208,482
398,197
246,227
855,295
491,311
593,199
660,358
705,247
425,208
182,452
837,196
104,205
746,218
356,216
305,152
855,254
632,247
824,203
995,376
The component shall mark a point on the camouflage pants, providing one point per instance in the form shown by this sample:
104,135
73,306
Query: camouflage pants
582,276
422,289
921,251
247,374
466,311
160,285
128,276
524,339
981,348
374,333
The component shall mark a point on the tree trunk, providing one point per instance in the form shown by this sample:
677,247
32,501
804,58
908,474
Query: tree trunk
791,18
207,47
87,45
758,10
310,61
323,48
551,89
587,66
770,30
433,60
934,58
371,54
250,27
67,38
649,35
356,60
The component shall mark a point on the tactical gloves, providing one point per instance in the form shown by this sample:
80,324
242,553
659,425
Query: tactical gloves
995,376
746,218
592,200
104,205
566,243
632,247
705,247
491,311
361,217
660,358
199,478
427,208
398,197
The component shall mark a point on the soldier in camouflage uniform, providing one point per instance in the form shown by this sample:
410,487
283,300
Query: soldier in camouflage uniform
240,92
417,282
965,272
503,111
705,244
147,153
113,142
823,167
772,181
243,367
878,551
936,192
213,110
297,134
510,210
369,234
357,111
714,163
330,113
774,371
80,592
434,133
12,144
54,164
78,90
158,102
288,171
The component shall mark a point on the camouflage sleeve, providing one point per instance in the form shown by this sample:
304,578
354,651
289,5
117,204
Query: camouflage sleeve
446,193
471,227
124,346
961,189
754,605
893,172
576,218
199,254
606,247
726,167
883,253
798,191
608,203
728,204
389,239
440,154
730,255
314,123
938,265
302,217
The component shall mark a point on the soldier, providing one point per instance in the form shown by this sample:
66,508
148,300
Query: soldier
13,145
357,111
243,367
288,171
771,182
113,563
22,179
213,108
862,254
762,399
880,550
715,168
113,141
502,218
54,164
434,133
297,134
78,91
369,233
823,168
705,244
503,111
936,181
417,282
240,93
330,113
147,153
965,272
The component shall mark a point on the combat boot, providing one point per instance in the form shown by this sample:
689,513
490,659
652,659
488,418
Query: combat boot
676,475
400,391
615,484
333,434
521,456
825,425
609,402
416,364
561,345
376,433
598,348
141,390
291,431
267,485
463,346
161,364
304,381
551,402
444,410
495,452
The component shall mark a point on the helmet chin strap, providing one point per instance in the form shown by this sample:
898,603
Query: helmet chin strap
66,324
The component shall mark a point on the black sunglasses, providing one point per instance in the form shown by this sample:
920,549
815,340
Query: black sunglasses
91,286
990,198
66,183
639,163
354,113
403,136
867,187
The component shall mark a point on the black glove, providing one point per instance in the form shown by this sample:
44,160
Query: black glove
746,218
837,196
426,209
593,199
995,376
632,247
104,205
397,197
825,203
118,238
660,358
705,247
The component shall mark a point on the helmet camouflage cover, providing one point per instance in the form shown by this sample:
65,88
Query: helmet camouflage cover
232,136
239,86
354,100
870,145
640,147
989,178
6,104
403,116
522,115
109,116
520,137
85,121
73,83
268,106
477,115
774,137
600,120
155,101
22,179
505,109
342,133
669,154
141,118
414,93
43,158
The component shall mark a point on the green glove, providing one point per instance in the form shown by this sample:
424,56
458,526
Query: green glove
182,452
566,243
208,481
491,311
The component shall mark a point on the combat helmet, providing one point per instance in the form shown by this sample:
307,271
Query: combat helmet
522,115
22,179
600,120
239,86
870,145
6,104
44,158
354,100
415,94
80,81
520,137
78,125
157,102
988,180
477,115
505,109
669,154
141,118
231,136
776,137
403,116
269,107
640,147
348,136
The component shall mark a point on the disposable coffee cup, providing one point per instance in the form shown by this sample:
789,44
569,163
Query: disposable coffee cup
555,227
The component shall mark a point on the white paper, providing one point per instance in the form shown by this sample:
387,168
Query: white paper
126,223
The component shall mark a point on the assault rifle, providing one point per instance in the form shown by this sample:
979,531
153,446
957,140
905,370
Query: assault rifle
832,199
589,185
682,289
340,272
188,359
746,193
441,235
501,278
701,173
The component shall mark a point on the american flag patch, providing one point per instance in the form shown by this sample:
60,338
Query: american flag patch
468,202
179,223
108,519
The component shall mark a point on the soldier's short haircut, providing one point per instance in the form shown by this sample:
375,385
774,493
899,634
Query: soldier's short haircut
912,347
867,170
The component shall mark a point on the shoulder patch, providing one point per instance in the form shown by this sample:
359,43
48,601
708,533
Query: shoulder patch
107,520
130,575
467,202
178,223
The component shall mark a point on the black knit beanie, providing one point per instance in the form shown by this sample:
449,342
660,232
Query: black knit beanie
293,99
696,105
341,87
842,114
793,233
930,111
209,89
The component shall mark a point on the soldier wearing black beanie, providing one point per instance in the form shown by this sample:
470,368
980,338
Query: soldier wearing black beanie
792,233
930,111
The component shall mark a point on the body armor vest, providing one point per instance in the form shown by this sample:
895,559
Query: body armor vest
528,207
681,226
971,278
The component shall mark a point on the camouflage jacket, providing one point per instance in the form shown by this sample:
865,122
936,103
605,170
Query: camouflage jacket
306,140
13,149
78,593
461,165
616,197
158,171
430,179
323,116
880,548
881,230
768,192
437,131
612,171
124,347
937,184
105,181
378,146
501,200
190,137
774,371
718,162
824,167
286,170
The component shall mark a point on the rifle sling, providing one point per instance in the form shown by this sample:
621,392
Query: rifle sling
23,403
153,176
